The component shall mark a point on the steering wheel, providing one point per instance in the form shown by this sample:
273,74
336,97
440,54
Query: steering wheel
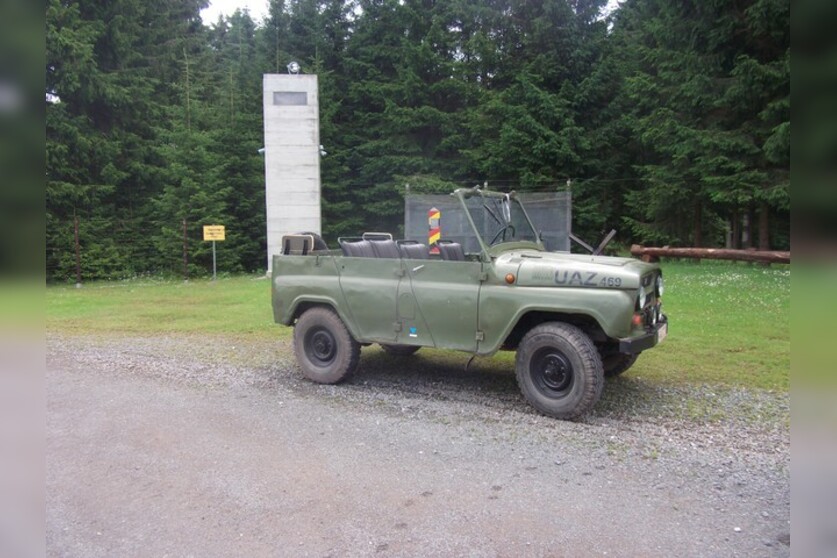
502,232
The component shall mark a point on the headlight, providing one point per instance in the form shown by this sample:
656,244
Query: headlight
642,297
660,285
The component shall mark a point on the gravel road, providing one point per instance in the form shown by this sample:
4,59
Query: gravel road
181,446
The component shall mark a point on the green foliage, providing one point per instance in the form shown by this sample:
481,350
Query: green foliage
709,86
671,119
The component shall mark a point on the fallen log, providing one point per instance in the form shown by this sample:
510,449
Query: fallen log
652,254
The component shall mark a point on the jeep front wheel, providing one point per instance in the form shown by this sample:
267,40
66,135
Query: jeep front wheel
324,348
559,370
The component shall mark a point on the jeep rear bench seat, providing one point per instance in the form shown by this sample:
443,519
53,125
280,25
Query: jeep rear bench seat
385,248
357,248
450,250
412,250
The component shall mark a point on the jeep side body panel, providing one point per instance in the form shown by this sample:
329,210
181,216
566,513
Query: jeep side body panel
466,306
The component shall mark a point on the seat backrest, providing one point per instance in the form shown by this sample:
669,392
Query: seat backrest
372,235
297,244
357,248
384,248
412,250
319,243
451,251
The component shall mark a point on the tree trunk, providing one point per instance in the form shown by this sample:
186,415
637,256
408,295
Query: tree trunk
736,229
653,254
698,224
764,226
751,226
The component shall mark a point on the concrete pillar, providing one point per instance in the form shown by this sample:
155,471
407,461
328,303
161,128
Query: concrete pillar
291,157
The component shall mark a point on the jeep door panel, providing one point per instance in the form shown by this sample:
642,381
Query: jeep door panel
446,294
370,288
411,328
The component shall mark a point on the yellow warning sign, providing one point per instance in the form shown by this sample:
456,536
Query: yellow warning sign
214,232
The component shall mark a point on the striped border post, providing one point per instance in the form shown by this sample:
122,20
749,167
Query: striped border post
434,229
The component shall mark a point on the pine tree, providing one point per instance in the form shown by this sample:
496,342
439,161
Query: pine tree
236,132
709,86
109,67
670,118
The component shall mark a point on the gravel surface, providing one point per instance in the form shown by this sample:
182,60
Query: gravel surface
188,446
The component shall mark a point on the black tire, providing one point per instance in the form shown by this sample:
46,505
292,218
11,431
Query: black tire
324,348
617,363
399,350
559,370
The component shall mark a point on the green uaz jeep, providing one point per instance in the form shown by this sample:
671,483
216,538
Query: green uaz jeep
573,319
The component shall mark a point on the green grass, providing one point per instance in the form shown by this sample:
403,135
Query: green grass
729,323
229,306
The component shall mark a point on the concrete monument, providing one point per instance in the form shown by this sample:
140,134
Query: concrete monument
292,156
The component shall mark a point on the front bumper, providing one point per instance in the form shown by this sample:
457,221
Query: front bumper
653,336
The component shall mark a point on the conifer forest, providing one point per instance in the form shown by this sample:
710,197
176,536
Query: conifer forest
669,120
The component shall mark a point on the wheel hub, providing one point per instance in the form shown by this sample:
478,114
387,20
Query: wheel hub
552,372
322,347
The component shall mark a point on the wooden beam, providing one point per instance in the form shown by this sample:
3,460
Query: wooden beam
765,256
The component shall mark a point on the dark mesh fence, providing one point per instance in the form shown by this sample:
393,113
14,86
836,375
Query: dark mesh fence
551,212
454,223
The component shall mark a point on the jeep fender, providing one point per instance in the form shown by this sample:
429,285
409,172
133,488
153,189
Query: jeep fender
303,303
609,310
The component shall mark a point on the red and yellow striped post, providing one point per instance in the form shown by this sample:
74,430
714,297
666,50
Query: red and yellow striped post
434,229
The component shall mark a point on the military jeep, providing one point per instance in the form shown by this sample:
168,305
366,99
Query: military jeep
573,319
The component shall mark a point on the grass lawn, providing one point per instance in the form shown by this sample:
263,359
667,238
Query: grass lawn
229,306
729,322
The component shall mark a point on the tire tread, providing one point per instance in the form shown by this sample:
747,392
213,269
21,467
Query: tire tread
348,349
588,354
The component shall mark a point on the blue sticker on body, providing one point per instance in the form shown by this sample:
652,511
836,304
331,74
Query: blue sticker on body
413,332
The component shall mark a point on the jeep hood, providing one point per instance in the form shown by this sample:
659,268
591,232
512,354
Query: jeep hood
557,269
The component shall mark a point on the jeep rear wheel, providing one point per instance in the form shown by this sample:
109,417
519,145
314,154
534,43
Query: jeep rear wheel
559,370
617,363
399,350
324,348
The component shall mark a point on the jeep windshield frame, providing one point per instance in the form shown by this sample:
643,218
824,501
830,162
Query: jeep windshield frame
499,221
